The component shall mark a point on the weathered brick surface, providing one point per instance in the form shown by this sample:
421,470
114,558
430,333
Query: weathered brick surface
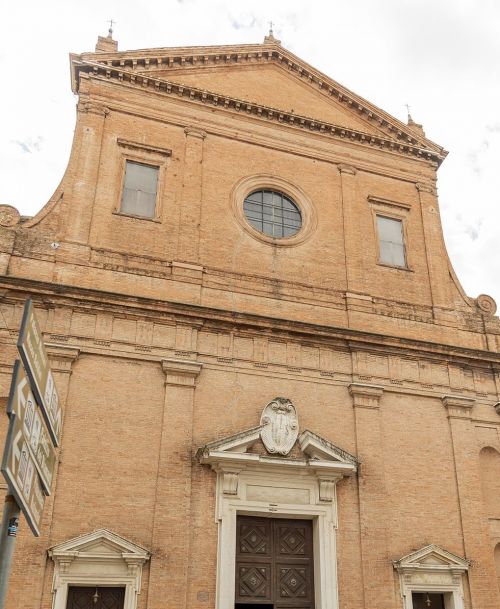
121,295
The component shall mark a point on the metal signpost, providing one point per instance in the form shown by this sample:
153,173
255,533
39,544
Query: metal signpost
29,423
29,456
36,363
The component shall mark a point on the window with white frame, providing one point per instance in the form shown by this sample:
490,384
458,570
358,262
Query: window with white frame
140,186
391,241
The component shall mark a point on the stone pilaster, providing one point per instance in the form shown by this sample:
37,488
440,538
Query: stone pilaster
172,511
375,558
482,575
351,224
435,250
190,215
88,138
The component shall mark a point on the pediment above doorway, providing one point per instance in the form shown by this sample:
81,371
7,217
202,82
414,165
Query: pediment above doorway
102,544
431,558
251,451
313,452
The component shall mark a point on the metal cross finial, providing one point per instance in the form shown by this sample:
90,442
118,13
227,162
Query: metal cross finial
407,106
110,31
271,28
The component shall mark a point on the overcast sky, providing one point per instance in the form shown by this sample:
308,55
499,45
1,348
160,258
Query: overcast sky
440,56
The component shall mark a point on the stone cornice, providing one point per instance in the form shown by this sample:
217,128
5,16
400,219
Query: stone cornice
405,146
149,60
197,315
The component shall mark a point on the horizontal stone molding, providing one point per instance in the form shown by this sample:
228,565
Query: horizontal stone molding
144,147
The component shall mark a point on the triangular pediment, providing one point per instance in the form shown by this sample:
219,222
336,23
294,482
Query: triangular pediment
103,543
261,78
246,448
431,557
269,85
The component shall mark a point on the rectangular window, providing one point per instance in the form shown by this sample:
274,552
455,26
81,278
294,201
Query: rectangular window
391,241
139,190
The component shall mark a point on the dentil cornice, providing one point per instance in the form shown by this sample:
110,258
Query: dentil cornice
398,143
147,61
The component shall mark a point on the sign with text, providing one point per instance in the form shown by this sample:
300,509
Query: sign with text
22,404
20,472
36,362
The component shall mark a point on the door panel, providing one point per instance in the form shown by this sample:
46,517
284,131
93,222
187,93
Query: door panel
274,563
424,600
80,597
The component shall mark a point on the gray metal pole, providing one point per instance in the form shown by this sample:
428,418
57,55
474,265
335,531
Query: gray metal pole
8,532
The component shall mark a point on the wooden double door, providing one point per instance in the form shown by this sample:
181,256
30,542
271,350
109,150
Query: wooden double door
80,597
274,563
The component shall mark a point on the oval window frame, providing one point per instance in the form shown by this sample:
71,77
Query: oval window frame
250,184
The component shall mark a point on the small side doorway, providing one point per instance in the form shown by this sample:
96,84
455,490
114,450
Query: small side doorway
274,563
100,597
427,600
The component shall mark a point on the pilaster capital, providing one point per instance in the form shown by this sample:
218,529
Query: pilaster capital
195,132
366,396
62,356
348,169
421,187
180,372
89,107
458,407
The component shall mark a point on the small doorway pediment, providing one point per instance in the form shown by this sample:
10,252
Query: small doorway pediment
431,557
101,559
431,578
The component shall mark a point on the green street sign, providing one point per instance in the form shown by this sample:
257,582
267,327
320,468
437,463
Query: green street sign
20,473
22,404
36,363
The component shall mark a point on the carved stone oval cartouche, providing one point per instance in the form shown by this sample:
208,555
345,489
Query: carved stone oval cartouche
280,426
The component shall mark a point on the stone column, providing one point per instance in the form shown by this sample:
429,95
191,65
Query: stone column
477,544
190,214
378,579
172,512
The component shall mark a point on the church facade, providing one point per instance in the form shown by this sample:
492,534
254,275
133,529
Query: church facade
276,393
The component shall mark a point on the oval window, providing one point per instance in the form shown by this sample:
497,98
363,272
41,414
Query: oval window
272,213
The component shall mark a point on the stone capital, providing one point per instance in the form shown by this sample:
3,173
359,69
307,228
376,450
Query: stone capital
425,188
458,407
62,356
89,107
348,169
180,372
365,396
195,132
